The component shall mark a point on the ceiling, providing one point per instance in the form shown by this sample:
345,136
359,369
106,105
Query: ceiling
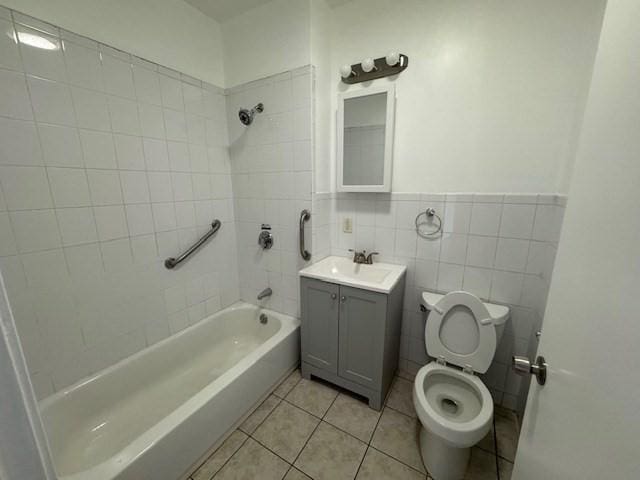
223,10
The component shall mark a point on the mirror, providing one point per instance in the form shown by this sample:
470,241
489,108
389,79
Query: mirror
365,140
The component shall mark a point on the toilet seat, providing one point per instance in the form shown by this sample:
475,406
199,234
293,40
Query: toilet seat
460,434
474,360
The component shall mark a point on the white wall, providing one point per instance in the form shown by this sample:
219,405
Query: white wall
266,40
494,92
169,32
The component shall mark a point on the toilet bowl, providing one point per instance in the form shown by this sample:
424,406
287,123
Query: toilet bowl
453,405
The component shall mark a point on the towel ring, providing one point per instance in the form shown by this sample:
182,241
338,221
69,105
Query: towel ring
429,213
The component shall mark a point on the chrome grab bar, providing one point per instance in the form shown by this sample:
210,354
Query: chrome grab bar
172,262
304,216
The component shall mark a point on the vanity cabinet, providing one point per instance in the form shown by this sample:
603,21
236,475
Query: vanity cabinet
351,336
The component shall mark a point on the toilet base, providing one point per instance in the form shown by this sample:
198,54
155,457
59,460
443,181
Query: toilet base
443,462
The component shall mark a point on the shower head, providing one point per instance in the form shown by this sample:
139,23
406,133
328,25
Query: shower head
246,116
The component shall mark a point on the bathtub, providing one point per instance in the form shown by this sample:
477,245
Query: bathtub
155,414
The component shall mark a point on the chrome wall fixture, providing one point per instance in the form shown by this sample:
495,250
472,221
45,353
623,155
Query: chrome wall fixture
429,214
304,216
246,116
370,69
265,239
172,262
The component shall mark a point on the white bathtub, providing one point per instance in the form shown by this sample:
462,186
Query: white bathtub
153,415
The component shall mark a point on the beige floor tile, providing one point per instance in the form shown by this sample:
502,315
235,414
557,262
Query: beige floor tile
312,396
401,397
287,384
353,416
507,433
397,435
331,454
259,414
295,474
487,443
406,375
482,466
378,466
506,469
253,461
286,430
215,462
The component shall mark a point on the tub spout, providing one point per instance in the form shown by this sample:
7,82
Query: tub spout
265,293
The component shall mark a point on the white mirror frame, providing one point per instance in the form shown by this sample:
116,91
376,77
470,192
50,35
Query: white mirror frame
390,90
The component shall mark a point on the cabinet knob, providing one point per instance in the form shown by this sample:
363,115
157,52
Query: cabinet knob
333,296
343,299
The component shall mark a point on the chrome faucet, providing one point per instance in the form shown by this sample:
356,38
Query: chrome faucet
362,257
265,293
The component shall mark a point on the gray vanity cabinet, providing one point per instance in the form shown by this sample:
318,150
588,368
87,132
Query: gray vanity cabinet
351,336
319,347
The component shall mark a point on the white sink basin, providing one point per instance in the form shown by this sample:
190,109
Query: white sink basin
379,277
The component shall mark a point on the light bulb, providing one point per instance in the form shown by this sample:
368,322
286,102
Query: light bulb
345,71
368,64
392,58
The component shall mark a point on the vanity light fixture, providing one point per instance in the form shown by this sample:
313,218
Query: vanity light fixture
346,71
391,64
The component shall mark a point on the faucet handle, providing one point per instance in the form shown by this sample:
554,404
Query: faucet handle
370,257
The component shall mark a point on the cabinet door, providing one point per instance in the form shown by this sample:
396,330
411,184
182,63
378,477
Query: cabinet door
362,325
320,324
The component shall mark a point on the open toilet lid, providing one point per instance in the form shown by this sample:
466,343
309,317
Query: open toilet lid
479,359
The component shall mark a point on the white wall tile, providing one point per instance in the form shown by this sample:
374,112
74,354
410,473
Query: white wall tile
176,125
69,187
104,186
155,154
25,187
512,254
77,225
84,261
147,85
151,121
457,217
35,230
92,109
485,219
118,77
481,251
506,287
178,156
453,248
83,66
45,63
160,186
171,92
129,152
450,277
124,116
477,281
14,98
111,222
164,216
51,101
19,143
98,149
517,221
134,187
9,55
139,219
7,240
61,146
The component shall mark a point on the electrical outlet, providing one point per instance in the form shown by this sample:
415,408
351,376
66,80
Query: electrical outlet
347,225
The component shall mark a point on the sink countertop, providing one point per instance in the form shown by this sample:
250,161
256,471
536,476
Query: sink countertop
379,277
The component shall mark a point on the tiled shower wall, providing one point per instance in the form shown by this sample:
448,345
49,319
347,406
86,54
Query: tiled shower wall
108,165
499,247
271,166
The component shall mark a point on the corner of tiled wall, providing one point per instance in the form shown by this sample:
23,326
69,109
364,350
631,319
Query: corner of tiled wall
108,164
501,247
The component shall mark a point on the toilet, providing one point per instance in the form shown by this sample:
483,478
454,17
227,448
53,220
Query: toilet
453,405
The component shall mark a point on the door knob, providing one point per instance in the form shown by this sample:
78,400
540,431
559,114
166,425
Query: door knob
523,366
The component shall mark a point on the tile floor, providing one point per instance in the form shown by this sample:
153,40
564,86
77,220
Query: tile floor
307,429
